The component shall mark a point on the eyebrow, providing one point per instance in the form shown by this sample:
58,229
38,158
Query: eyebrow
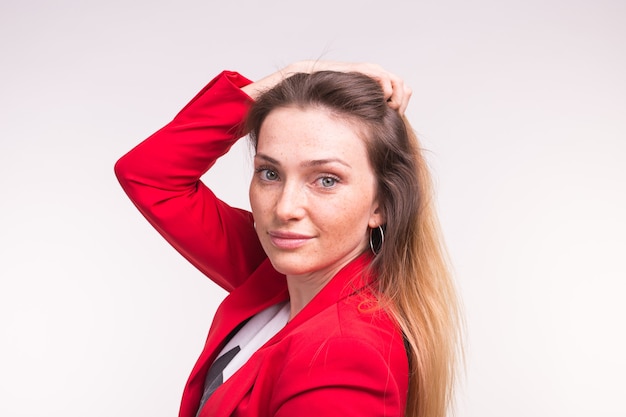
310,163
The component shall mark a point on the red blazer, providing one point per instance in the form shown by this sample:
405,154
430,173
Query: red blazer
340,356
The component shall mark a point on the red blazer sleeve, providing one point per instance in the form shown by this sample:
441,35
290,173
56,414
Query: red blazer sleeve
162,174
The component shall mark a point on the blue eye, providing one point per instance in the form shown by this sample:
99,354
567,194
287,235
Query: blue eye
328,182
270,175
267,174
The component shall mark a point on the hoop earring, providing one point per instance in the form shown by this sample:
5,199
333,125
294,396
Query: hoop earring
379,240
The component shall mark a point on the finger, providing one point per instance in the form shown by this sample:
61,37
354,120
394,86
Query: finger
403,95
399,99
406,97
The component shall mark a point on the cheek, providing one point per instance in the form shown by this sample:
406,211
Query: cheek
253,196
260,201
345,220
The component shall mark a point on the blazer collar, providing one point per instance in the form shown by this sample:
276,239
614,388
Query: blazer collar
264,288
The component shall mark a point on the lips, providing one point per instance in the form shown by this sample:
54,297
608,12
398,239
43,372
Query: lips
288,240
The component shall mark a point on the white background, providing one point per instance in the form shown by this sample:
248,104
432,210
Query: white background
521,104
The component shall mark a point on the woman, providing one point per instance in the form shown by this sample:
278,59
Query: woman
339,300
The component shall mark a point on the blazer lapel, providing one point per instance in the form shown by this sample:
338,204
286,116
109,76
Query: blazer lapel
265,287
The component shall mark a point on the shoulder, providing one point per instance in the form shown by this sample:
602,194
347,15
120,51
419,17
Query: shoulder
344,357
357,320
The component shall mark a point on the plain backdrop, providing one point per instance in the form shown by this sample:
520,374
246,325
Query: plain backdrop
520,104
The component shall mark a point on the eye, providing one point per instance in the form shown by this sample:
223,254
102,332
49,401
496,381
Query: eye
328,182
267,174
270,175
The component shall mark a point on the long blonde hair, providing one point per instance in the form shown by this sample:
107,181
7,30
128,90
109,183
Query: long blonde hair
414,276
414,282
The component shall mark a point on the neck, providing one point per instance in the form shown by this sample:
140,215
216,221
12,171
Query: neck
302,289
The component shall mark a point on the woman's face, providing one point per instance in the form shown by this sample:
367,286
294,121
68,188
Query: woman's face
313,194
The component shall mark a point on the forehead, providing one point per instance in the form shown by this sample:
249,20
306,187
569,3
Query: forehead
312,132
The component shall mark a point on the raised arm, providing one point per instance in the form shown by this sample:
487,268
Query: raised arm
162,174
162,177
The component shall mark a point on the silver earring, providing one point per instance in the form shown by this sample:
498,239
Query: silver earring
379,240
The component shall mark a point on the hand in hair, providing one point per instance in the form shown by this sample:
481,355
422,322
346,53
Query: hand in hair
396,91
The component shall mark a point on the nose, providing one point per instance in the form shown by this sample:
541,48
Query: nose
291,203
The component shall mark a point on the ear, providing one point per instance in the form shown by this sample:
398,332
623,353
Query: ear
377,216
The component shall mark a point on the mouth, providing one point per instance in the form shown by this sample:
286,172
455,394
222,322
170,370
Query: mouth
288,240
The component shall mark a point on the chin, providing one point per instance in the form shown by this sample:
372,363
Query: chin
289,268
292,264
